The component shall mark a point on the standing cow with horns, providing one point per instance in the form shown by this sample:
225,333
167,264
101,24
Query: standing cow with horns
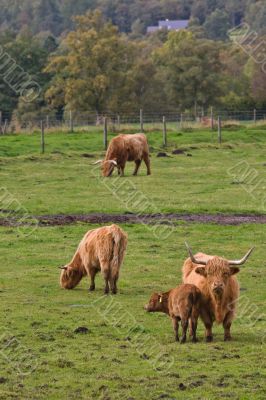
123,148
215,278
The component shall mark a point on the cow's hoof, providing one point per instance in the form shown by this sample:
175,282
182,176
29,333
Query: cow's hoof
92,288
114,291
194,340
177,339
227,338
209,339
183,340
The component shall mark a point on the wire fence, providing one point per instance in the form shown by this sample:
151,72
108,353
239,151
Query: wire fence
138,120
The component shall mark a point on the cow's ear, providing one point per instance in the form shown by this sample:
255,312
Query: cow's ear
201,271
234,270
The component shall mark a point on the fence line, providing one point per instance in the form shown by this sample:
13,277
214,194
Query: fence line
73,120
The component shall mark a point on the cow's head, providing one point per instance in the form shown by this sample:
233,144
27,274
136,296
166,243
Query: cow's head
70,277
217,271
107,166
155,303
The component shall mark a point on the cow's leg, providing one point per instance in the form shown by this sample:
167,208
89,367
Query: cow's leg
106,275
137,162
92,273
193,325
175,326
122,167
184,324
206,318
146,159
227,322
113,280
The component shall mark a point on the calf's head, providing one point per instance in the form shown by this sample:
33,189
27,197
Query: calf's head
155,303
217,271
70,277
107,166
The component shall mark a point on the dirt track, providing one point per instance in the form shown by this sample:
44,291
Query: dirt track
55,220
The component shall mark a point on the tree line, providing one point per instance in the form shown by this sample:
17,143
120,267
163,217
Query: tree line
95,66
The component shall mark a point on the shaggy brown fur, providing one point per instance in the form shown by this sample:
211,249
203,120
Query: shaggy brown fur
125,148
101,249
181,304
219,288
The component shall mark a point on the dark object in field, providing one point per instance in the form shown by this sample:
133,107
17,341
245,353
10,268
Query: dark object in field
181,304
215,278
87,155
189,155
101,249
123,148
182,386
178,151
2,379
82,329
162,154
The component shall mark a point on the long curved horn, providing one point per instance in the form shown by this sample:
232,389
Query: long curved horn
243,260
98,162
193,259
113,162
63,267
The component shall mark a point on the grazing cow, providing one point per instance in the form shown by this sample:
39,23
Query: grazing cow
215,278
101,249
123,148
181,304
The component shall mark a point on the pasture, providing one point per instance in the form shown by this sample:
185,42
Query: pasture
127,353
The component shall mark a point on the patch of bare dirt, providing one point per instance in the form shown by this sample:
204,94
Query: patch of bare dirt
100,218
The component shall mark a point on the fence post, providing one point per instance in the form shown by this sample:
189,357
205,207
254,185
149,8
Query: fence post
181,120
118,122
164,133
141,120
212,122
1,123
219,130
71,122
105,132
42,138
47,122
255,115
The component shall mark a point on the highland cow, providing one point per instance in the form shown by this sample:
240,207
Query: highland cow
181,304
101,249
123,148
215,278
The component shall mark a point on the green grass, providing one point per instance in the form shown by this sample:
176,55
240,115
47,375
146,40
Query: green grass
64,181
114,360
104,364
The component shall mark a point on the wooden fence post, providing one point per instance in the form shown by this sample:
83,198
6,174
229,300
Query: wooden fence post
47,122
105,133
181,120
219,130
141,120
164,133
42,138
118,122
1,123
255,115
212,122
71,122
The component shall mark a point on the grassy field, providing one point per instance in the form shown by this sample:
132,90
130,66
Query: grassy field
206,178
127,353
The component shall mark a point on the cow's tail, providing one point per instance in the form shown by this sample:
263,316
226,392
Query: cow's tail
119,249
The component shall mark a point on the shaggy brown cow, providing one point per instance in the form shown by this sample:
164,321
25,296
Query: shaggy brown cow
101,249
215,278
123,148
181,304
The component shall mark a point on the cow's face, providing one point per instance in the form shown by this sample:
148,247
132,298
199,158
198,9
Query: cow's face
108,167
155,303
70,277
217,273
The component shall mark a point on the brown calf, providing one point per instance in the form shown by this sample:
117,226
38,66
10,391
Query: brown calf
181,304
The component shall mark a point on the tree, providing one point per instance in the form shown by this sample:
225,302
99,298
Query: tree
191,70
93,70
217,25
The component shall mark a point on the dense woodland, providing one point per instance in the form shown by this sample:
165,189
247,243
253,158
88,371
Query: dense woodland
95,55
